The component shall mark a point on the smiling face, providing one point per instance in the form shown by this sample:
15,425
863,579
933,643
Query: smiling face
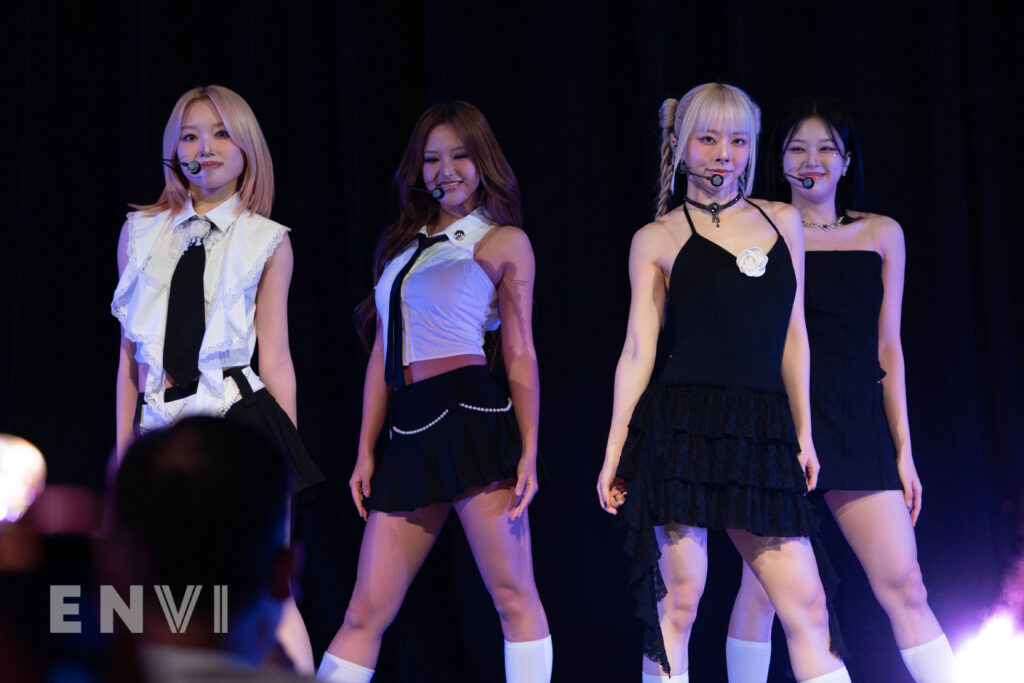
717,149
815,150
448,165
204,138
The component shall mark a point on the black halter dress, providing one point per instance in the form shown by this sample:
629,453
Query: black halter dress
711,442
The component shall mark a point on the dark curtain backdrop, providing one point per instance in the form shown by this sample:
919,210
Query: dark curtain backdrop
572,90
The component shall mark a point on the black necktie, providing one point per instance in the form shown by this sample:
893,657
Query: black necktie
393,363
186,308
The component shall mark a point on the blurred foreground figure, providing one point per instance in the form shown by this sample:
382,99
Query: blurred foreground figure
203,505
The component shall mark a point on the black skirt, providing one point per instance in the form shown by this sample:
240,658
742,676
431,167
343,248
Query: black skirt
850,429
448,433
706,456
260,411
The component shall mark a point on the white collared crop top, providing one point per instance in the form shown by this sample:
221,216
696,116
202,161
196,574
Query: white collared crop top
448,301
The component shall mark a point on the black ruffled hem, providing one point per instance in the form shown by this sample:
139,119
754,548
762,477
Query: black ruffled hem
711,457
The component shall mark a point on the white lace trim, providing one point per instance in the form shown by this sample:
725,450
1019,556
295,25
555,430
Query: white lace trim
139,304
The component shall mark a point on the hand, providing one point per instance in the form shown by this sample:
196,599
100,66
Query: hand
611,490
810,465
526,485
911,485
359,482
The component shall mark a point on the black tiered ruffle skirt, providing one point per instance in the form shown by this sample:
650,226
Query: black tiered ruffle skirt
448,433
710,457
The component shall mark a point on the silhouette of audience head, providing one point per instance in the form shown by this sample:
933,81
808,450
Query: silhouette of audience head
204,503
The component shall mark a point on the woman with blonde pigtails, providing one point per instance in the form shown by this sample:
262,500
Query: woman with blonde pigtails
721,439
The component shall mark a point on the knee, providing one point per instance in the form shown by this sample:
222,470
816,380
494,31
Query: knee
753,599
515,601
806,614
904,591
365,613
681,605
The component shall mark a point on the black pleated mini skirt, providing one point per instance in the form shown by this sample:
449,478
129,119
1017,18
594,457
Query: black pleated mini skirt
448,433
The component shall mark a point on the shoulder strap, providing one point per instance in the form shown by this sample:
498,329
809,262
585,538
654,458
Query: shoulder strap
763,214
689,220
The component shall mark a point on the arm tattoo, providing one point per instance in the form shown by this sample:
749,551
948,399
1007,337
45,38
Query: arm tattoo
521,283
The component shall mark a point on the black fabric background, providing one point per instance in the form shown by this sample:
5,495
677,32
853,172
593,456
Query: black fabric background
572,90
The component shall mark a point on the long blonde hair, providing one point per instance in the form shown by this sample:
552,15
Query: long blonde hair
256,188
699,109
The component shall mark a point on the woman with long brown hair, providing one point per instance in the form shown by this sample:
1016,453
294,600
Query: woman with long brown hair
452,267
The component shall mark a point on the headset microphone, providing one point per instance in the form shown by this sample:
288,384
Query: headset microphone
715,179
193,166
807,183
437,193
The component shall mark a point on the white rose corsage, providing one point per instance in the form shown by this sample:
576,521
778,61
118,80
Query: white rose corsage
752,262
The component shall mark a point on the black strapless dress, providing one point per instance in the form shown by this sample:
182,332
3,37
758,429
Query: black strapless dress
843,297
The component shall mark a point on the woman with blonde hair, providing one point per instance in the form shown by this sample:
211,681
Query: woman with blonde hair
204,273
855,262
721,438
453,267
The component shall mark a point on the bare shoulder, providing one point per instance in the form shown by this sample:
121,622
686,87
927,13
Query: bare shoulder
883,230
777,211
659,235
785,217
509,236
504,242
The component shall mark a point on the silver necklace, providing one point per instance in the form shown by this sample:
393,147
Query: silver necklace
837,223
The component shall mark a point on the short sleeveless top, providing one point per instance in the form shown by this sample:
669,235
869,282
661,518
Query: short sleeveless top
448,301
235,256
725,327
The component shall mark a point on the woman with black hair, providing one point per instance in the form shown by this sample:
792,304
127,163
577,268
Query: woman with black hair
853,299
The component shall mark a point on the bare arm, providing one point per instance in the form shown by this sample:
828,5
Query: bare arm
636,362
515,307
890,357
375,408
276,368
796,355
127,387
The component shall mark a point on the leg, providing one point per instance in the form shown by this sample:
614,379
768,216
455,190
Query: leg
291,631
501,548
684,568
393,549
877,526
787,570
748,649
291,634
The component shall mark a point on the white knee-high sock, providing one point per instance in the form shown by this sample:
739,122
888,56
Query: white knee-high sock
338,670
837,676
747,661
932,662
652,678
528,661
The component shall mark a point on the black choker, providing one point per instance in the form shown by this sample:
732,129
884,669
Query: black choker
714,207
